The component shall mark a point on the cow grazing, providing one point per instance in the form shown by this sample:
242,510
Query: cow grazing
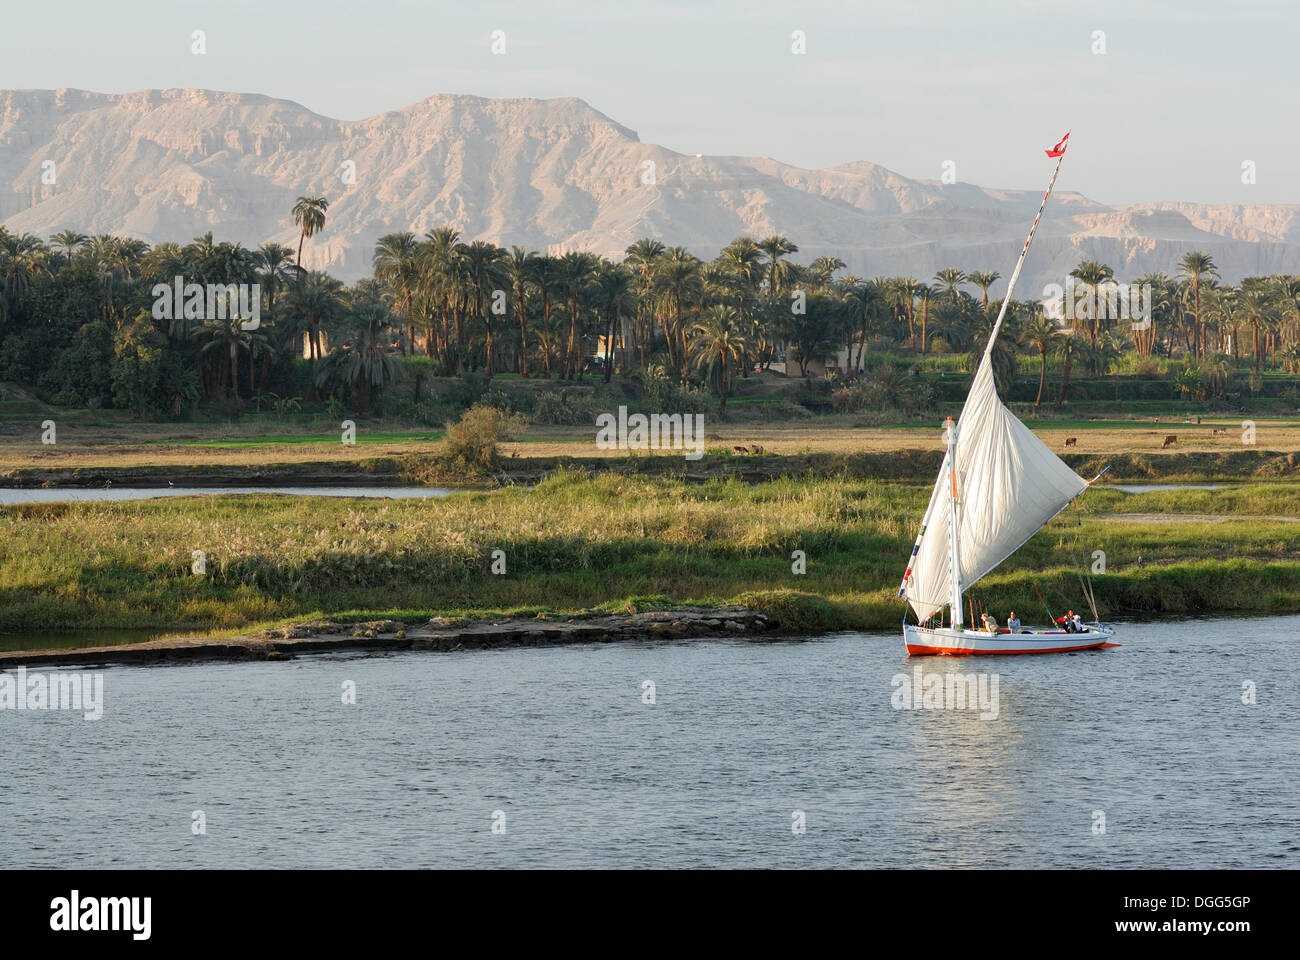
1071,441
1220,431
740,449
1169,441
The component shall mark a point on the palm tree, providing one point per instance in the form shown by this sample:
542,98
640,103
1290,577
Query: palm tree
22,257
520,266
1197,266
643,257
440,283
181,327
361,362
923,291
314,302
275,262
576,268
861,308
1165,313
229,335
396,263
309,217
984,279
776,247
823,270
1041,334
484,275
275,265
744,258
949,279
1092,274
614,295
1221,307
1257,306
70,240
549,280
718,340
678,281
1069,347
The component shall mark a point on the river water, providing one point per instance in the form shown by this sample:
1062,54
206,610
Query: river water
741,735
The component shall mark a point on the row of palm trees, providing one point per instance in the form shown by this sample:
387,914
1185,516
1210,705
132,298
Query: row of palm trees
478,306
1194,312
456,300
657,297
117,275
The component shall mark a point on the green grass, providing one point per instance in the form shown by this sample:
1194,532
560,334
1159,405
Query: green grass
608,542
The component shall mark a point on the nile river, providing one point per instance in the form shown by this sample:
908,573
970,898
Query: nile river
559,747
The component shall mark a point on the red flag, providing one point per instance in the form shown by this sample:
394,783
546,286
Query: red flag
1059,149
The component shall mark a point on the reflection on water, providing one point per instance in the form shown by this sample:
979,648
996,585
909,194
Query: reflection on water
62,494
1153,734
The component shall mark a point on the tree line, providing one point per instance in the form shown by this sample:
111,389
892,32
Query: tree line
76,321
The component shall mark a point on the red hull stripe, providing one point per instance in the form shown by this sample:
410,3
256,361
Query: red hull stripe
966,651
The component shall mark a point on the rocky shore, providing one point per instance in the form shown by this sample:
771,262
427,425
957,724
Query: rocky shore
438,634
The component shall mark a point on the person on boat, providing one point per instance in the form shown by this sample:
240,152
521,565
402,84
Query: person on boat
1069,621
1013,622
1078,623
990,623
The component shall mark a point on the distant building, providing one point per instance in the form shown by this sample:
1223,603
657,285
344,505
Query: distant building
816,368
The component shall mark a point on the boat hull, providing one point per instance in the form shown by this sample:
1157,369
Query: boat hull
947,642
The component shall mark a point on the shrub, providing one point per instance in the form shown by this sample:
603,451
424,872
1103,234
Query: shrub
1147,367
472,440
427,413
885,389
564,409
664,394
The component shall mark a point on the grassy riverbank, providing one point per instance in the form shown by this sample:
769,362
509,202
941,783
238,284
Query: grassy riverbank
91,452
612,542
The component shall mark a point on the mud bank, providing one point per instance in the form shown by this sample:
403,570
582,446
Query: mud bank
912,466
437,635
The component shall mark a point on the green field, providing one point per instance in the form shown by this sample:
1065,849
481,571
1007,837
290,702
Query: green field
608,542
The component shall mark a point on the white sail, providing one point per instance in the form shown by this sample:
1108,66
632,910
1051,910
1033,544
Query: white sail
1009,483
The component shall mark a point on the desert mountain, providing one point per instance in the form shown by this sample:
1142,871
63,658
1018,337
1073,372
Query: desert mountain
552,175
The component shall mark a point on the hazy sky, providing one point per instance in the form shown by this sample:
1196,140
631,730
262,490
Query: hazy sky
1183,95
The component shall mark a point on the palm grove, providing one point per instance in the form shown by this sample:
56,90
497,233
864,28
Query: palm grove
76,322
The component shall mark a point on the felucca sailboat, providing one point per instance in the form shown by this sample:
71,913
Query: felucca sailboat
998,486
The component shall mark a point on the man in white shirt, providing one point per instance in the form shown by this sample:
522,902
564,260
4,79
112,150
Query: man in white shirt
1078,624
1013,622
